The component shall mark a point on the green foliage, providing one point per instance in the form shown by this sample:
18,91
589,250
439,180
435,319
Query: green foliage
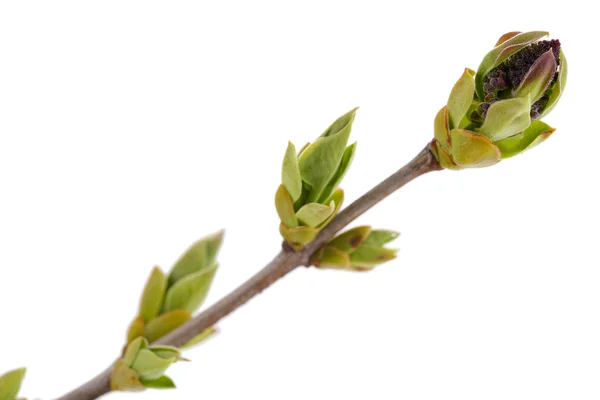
309,197
358,249
10,384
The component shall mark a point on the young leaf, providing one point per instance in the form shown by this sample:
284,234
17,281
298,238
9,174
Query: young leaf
164,382
285,207
124,378
320,160
380,237
337,198
136,329
313,214
369,255
153,295
290,173
190,292
10,384
162,325
208,333
132,350
150,366
330,257
199,256
340,173
351,239
298,237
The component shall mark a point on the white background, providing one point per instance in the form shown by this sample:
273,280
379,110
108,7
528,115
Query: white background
130,129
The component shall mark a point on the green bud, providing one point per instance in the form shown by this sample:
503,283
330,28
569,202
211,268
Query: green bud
201,255
143,366
189,292
495,114
153,295
10,384
164,324
309,196
358,249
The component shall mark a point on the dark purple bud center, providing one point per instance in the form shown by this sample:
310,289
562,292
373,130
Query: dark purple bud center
519,64
508,75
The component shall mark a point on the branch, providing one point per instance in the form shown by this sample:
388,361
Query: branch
286,261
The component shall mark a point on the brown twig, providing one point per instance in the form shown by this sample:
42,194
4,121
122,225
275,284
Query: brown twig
286,261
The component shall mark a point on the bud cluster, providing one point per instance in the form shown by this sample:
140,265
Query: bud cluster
309,197
494,114
167,302
358,249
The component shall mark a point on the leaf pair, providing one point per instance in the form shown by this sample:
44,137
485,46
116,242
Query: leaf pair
358,249
168,302
308,196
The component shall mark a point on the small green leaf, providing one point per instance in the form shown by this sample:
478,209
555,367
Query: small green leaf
125,379
441,128
166,352
136,329
313,214
534,134
319,161
506,118
132,350
337,198
285,207
201,255
196,340
190,292
153,295
290,173
442,156
164,382
369,255
10,383
298,237
461,97
330,257
149,366
340,173
165,323
380,237
351,239
472,150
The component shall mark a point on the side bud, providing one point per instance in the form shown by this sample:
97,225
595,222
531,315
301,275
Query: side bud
309,197
143,366
358,249
167,302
